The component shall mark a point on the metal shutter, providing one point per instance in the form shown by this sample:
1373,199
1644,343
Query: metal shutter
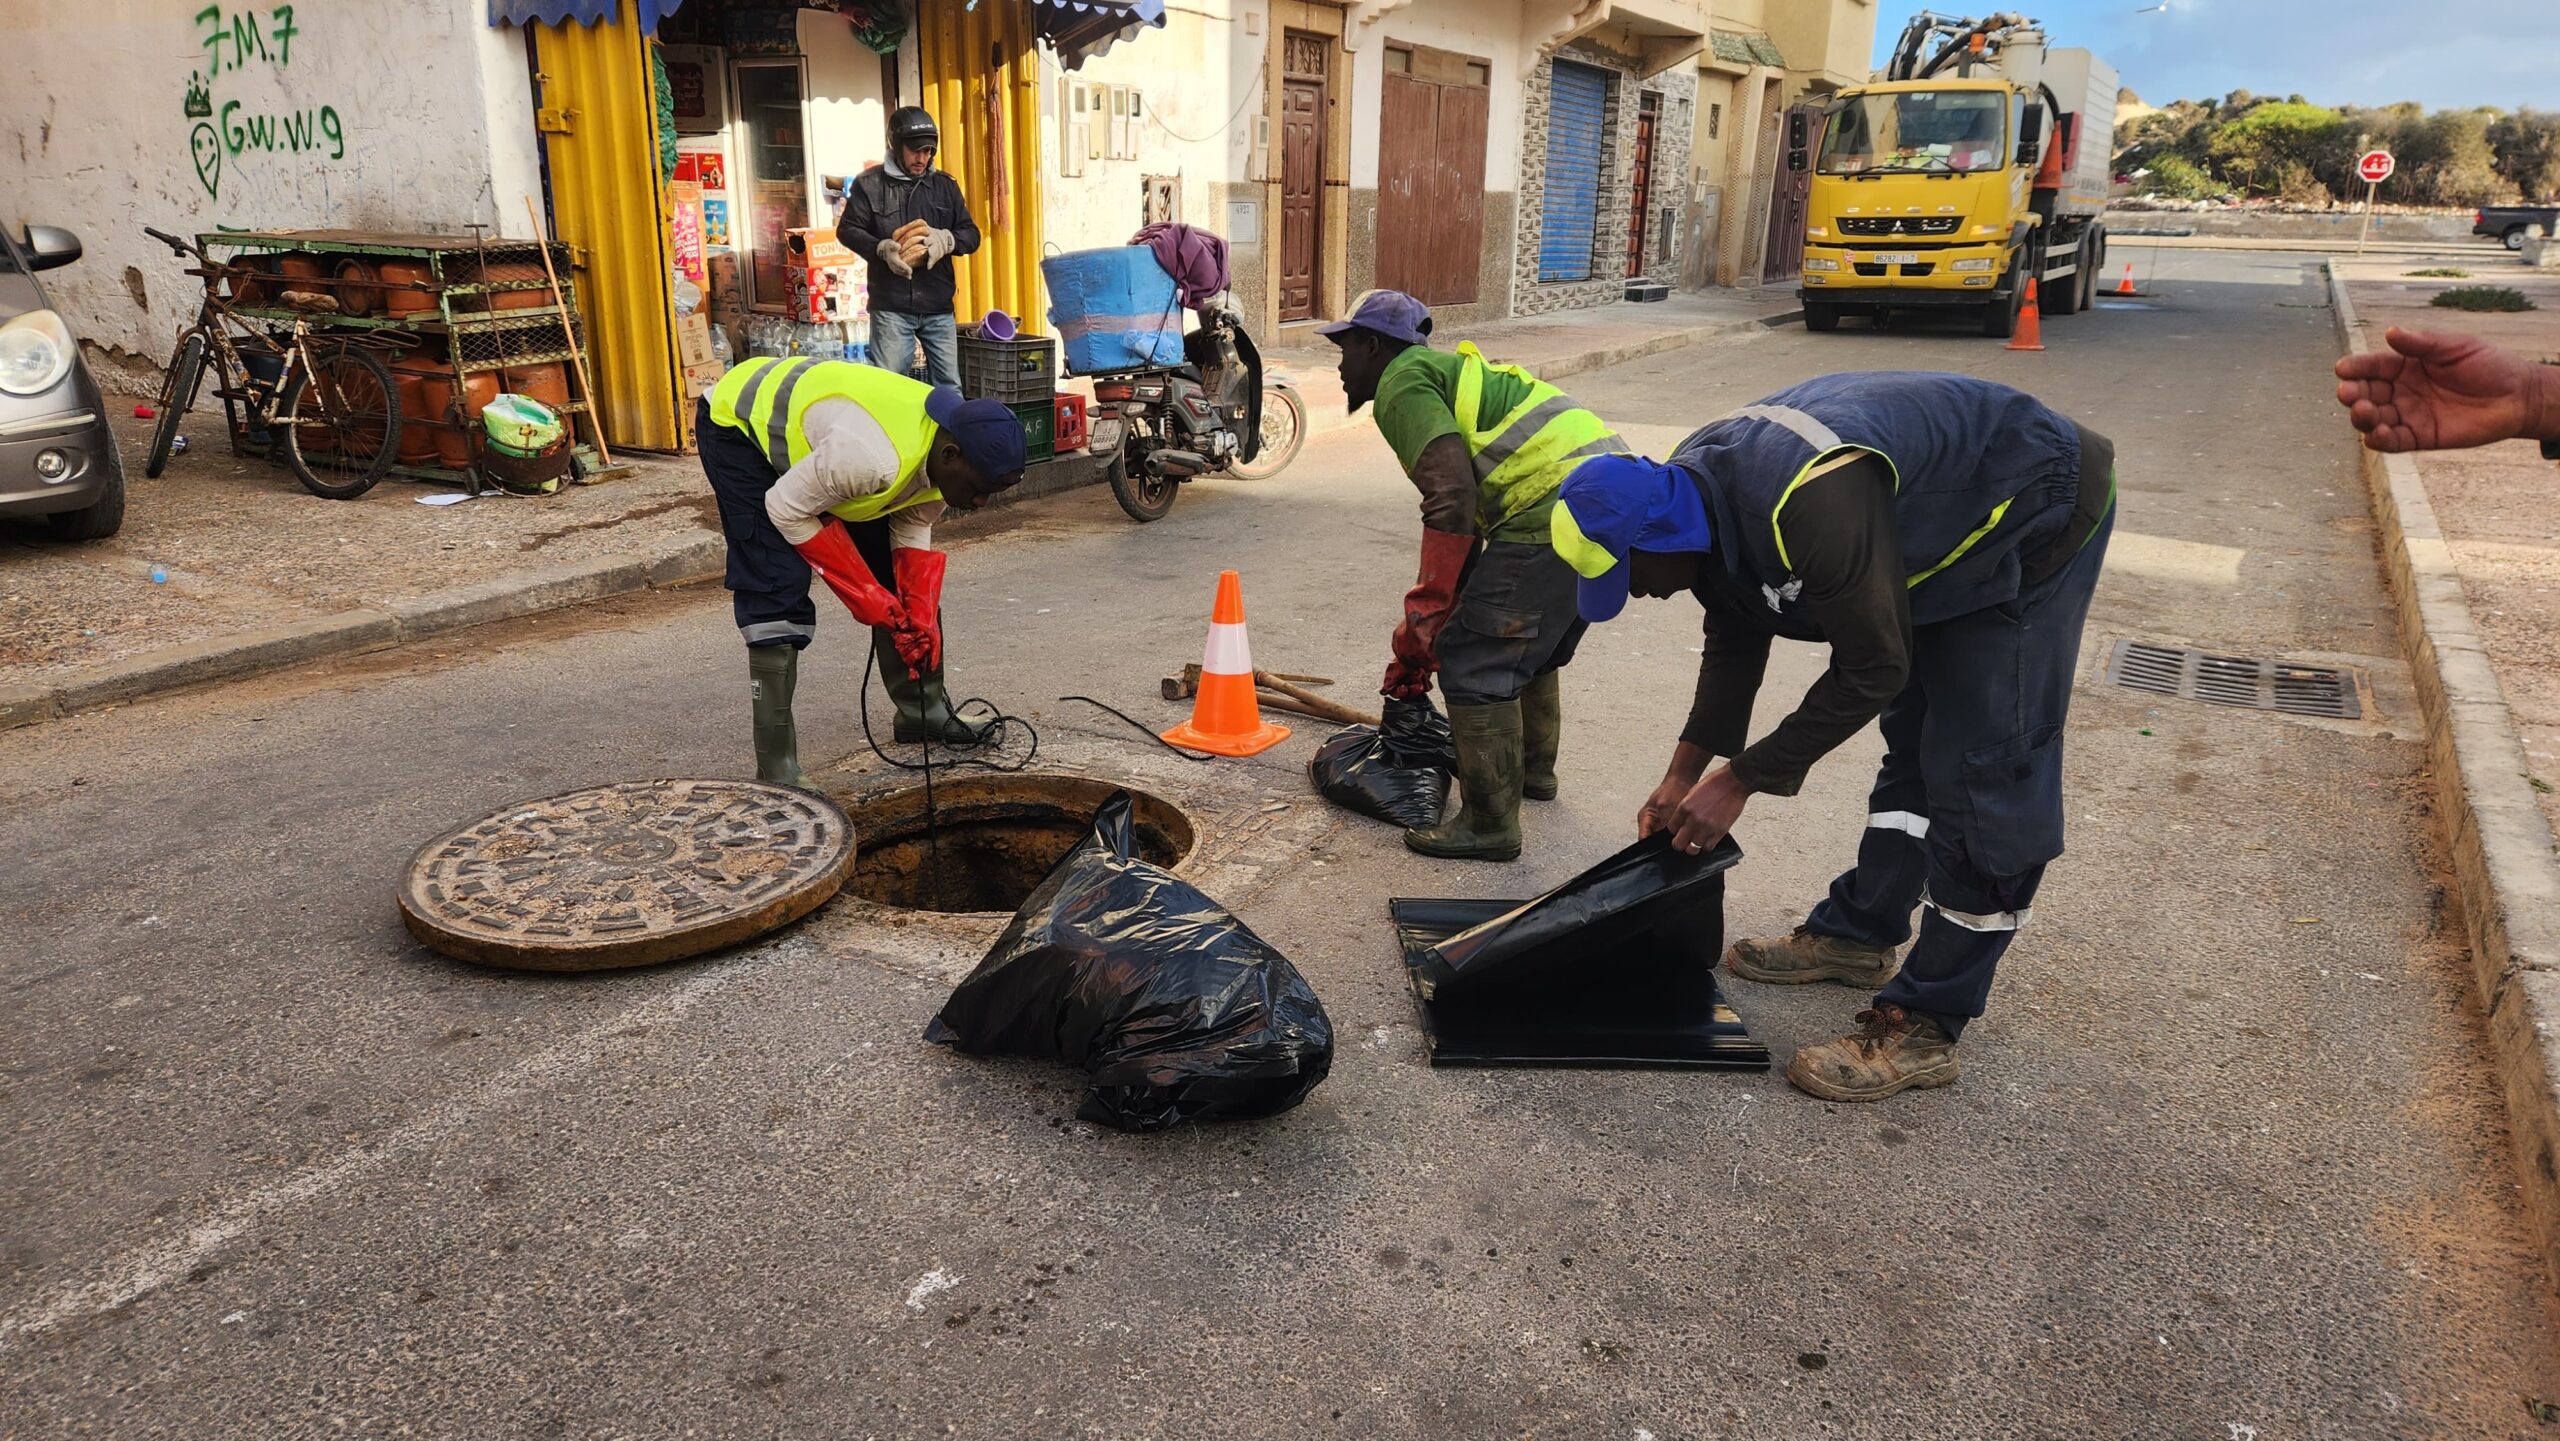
1580,96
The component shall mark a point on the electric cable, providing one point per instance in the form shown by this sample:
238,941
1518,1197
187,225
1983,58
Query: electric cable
1141,726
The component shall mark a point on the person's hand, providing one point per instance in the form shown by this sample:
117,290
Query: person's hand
1659,807
915,645
1708,811
893,255
938,245
2434,391
1407,679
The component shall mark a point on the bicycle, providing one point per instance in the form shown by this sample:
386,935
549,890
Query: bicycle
333,401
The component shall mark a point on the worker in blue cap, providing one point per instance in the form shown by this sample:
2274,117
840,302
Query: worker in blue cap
1943,535
838,470
1491,612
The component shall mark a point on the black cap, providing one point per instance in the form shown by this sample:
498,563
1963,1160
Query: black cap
909,125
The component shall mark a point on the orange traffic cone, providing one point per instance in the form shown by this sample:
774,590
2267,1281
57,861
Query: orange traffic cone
1226,720
2125,286
2030,331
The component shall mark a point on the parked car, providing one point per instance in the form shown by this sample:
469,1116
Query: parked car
58,458
2511,222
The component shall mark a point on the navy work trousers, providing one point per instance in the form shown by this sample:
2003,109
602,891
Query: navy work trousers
1967,808
768,581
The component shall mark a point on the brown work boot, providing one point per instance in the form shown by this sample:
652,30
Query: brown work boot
1801,956
1893,1050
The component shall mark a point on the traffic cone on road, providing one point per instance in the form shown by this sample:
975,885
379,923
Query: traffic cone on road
2030,332
2125,286
1227,720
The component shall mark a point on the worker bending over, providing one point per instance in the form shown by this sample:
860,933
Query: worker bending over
1943,534
1493,610
842,469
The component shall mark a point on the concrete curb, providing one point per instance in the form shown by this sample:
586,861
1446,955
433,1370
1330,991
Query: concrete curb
685,561
2502,848
678,562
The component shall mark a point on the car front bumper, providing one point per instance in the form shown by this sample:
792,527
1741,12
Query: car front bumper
80,434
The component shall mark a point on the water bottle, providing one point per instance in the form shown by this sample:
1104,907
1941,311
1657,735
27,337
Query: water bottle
721,350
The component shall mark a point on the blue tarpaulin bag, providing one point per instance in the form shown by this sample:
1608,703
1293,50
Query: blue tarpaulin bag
1114,309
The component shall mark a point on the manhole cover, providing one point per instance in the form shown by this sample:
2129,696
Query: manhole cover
991,838
627,875
2313,690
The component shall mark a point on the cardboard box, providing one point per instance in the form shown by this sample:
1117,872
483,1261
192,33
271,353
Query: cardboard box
698,379
693,339
826,292
814,248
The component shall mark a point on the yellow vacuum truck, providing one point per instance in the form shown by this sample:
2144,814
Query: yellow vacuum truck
1955,174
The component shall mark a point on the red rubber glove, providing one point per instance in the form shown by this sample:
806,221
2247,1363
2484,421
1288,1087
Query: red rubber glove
919,575
831,554
1426,610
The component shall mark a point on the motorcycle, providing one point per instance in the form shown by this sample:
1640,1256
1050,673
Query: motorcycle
1215,414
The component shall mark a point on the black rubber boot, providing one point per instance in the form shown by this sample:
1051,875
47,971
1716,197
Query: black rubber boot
1541,729
773,672
924,708
1487,825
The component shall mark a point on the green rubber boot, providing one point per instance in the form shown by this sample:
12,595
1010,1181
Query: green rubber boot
773,672
1541,728
924,708
1487,825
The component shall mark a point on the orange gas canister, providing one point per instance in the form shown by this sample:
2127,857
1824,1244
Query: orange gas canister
1072,431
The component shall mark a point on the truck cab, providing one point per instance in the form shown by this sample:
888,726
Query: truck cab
1948,190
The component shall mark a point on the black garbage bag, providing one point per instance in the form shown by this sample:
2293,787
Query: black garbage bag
1397,770
1612,968
1177,1009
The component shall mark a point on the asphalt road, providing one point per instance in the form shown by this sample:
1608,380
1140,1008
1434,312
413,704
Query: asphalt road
2227,1160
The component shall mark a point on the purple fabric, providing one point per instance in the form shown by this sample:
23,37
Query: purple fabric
1196,259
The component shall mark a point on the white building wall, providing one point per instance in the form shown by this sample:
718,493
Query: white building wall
1200,83
1467,27
398,115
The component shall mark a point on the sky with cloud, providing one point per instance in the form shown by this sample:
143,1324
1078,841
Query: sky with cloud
2440,53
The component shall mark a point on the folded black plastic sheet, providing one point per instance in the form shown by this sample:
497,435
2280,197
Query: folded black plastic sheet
1177,1009
1612,968
1396,771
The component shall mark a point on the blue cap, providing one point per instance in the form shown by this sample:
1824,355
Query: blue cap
1391,313
988,432
1612,505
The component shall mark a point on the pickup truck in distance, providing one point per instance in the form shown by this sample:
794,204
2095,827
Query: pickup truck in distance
2510,222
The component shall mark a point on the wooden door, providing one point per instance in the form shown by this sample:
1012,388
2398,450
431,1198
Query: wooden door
1641,183
1791,193
1431,140
1302,128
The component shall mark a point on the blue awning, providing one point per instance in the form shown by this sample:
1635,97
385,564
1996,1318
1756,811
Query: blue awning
585,12
1080,29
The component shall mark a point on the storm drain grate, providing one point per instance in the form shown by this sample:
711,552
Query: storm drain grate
2313,690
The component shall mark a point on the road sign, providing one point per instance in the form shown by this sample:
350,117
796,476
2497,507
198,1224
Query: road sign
2376,166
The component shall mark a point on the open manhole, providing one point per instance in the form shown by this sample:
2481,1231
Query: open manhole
991,838
2276,685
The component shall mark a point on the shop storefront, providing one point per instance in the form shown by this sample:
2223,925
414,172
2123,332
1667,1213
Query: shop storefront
738,125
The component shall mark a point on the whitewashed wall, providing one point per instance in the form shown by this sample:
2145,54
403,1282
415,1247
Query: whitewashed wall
401,115
1201,77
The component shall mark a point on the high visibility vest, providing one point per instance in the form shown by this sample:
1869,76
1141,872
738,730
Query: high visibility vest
767,400
1522,456
1979,470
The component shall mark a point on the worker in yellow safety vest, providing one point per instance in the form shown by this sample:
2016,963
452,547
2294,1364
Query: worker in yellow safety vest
1492,612
840,469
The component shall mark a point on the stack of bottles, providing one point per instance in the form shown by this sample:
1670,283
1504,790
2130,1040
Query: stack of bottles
778,336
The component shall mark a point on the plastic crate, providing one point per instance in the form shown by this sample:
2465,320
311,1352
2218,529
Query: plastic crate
1013,371
1039,427
1072,432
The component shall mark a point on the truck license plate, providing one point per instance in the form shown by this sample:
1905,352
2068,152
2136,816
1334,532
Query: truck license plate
1897,257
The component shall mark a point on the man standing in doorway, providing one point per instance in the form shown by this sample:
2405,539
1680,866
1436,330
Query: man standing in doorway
909,220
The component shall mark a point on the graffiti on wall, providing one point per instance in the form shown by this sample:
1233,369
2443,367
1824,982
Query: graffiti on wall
241,40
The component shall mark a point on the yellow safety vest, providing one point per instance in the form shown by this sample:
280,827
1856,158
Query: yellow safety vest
767,399
1522,457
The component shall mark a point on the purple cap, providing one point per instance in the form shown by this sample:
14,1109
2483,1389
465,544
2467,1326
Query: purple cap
1391,313
988,432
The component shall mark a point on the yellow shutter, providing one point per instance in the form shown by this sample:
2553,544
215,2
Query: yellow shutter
982,85
608,200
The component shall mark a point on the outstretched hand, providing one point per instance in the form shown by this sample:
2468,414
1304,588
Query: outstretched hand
2434,391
